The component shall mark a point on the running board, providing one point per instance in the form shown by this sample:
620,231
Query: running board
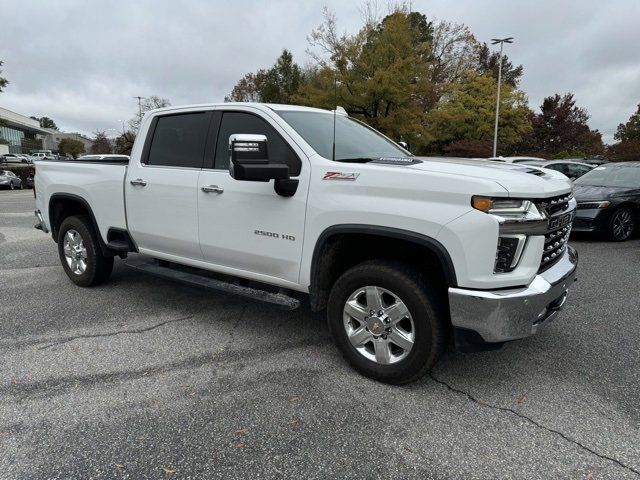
152,267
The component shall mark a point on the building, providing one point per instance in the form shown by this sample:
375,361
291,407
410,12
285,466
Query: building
53,137
22,134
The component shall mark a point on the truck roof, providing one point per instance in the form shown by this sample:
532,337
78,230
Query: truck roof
271,106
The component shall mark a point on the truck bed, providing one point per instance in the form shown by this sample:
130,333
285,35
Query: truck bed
98,183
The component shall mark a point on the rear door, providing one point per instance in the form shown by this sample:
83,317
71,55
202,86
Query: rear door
246,226
161,187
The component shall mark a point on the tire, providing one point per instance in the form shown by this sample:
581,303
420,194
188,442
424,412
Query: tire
397,283
622,224
97,267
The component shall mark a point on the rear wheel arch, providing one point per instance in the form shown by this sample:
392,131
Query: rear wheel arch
340,247
64,205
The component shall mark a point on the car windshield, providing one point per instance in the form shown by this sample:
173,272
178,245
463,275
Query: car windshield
624,177
354,140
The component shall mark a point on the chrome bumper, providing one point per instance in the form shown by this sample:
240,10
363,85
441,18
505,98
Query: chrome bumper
508,314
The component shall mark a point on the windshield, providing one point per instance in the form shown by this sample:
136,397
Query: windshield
354,140
624,177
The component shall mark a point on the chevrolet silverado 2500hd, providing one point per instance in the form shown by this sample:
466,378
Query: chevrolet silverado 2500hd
275,201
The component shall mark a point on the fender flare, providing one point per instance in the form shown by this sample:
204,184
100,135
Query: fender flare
430,243
85,204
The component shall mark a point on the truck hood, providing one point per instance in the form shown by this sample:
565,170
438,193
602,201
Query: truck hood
519,180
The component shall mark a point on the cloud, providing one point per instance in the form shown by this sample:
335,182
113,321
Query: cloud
82,63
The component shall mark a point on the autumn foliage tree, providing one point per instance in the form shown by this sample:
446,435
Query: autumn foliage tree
561,129
3,81
462,123
101,144
628,137
70,146
278,84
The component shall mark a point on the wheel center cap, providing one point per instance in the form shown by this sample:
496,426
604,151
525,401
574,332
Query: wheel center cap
375,324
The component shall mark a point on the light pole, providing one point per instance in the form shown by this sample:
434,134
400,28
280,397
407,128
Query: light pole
140,107
501,41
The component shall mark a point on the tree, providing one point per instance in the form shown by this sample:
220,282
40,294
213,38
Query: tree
380,74
488,61
462,122
630,131
561,128
278,84
124,143
3,81
70,146
101,144
147,104
46,122
248,88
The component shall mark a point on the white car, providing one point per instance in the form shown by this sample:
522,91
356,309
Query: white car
16,158
524,160
301,202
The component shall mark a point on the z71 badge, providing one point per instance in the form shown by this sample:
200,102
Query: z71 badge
344,176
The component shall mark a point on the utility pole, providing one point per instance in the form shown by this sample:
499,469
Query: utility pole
501,41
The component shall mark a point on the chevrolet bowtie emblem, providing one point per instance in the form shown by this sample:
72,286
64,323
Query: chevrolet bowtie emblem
376,325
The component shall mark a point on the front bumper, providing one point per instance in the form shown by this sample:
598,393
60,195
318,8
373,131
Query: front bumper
509,314
591,220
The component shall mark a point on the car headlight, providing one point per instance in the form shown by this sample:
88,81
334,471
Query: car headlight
590,205
507,208
518,218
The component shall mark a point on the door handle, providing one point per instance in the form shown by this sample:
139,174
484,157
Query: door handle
138,182
212,189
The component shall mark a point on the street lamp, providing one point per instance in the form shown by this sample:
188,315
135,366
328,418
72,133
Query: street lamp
501,41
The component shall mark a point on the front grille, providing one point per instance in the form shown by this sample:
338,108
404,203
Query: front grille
555,243
557,204
557,237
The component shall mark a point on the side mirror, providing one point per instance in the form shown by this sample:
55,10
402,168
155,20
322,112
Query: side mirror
404,145
249,161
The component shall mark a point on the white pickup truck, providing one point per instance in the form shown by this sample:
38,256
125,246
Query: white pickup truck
282,203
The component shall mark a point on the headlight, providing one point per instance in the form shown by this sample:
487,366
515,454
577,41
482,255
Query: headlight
586,205
507,208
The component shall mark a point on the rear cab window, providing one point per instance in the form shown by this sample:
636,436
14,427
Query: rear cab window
179,140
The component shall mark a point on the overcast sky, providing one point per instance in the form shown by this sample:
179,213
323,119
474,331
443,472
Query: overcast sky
81,62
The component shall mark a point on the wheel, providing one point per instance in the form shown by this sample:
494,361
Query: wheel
80,254
622,224
11,186
387,321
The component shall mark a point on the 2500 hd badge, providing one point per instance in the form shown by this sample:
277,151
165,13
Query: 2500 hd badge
284,236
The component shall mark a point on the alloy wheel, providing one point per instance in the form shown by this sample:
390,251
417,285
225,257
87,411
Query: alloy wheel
75,252
379,325
622,224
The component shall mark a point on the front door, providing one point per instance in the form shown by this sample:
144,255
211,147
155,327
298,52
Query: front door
245,226
161,188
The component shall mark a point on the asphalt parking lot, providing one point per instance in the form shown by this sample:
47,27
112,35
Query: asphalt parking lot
144,378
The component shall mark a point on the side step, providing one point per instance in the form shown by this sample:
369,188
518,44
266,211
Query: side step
152,267
118,245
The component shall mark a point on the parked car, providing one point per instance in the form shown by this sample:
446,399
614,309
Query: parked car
569,168
9,180
609,200
30,180
398,250
15,158
107,157
516,159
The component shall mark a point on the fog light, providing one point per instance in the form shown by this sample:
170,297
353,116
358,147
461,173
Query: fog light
508,252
